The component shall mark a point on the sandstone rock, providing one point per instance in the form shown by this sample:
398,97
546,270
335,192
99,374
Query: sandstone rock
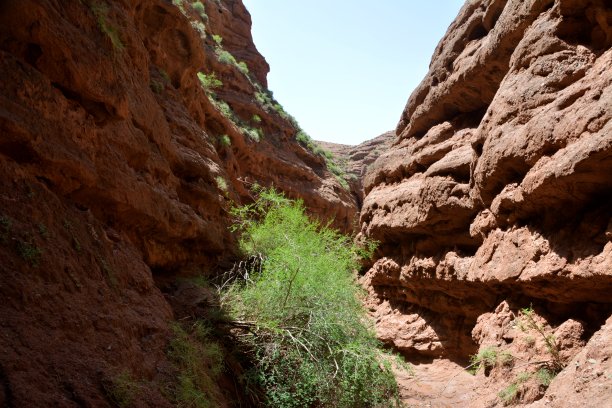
356,160
587,378
496,194
110,144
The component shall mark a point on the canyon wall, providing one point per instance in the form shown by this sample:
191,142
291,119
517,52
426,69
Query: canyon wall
355,160
494,202
127,131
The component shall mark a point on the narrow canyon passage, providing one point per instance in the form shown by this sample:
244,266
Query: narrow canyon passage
130,132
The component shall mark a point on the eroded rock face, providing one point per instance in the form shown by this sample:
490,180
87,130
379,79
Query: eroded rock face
498,188
357,159
118,169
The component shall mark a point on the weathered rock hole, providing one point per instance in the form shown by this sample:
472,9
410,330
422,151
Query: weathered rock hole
33,53
19,151
477,33
590,27
100,112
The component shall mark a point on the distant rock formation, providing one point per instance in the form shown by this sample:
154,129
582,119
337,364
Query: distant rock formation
356,160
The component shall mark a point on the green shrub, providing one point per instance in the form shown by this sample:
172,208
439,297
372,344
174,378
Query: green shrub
156,86
100,11
29,252
199,27
256,119
199,8
225,57
209,81
43,231
336,169
218,39
488,358
545,376
526,321
509,394
221,183
165,76
180,5
225,141
303,138
224,108
199,362
313,345
264,100
255,134
122,390
243,67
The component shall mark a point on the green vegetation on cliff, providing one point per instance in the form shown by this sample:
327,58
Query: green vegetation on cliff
308,331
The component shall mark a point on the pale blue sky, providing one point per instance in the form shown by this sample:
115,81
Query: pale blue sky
345,68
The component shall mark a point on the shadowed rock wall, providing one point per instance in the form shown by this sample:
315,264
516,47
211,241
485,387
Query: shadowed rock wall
118,168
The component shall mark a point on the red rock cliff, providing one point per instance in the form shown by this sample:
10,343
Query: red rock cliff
497,196
120,155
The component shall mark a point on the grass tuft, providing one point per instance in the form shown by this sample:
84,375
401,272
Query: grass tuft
199,362
123,390
488,358
29,252
100,11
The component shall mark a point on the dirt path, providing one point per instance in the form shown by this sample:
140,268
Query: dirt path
439,384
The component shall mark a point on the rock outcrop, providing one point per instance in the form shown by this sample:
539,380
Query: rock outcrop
355,160
496,196
127,131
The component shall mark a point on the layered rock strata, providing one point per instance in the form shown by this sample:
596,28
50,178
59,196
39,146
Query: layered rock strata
496,196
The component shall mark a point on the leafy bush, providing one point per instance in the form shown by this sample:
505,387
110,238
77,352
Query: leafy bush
156,86
5,229
221,183
303,138
224,108
199,27
510,394
255,134
243,67
209,81
225,57
256,119
308,330
199,8
337,170
218,39
225,141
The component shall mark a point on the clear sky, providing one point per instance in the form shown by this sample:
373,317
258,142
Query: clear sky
345,68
